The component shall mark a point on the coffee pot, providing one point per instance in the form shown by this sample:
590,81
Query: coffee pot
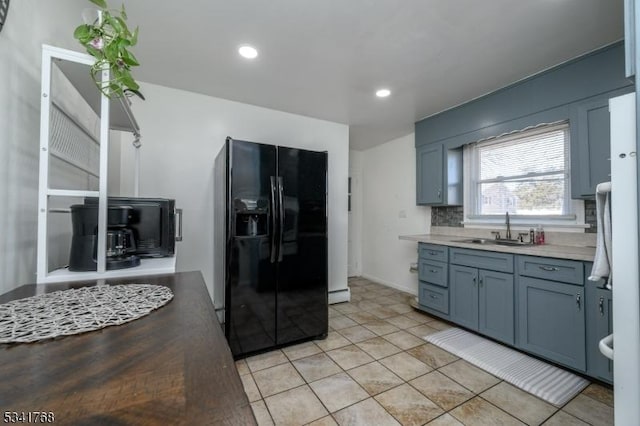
120,241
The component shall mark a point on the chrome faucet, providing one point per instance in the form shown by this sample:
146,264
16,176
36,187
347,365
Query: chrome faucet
508,235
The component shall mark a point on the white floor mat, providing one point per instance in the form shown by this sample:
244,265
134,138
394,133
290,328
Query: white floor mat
553,384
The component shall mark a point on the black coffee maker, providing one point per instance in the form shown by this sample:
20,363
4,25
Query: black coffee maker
84,242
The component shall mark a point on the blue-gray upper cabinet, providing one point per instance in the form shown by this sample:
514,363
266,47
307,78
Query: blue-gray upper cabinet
630,38
590,143
438,175
551,320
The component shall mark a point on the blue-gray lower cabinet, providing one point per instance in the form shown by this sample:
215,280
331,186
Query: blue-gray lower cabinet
551,321
599,325
434,297
496,306
482,300
463,296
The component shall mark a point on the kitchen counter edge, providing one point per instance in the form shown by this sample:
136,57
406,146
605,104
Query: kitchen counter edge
547,250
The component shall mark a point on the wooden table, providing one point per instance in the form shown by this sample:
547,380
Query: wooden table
170,367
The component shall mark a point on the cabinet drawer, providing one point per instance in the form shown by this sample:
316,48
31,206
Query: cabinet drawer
501,262
566,271
433,252
434,297
433,272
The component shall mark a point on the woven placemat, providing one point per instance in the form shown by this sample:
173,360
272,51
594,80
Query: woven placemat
75,311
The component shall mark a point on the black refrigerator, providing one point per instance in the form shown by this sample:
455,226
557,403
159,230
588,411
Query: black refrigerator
271,207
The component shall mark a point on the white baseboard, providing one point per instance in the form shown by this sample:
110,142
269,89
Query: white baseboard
339,296
411,290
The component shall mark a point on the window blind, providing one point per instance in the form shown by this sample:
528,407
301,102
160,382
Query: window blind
524,174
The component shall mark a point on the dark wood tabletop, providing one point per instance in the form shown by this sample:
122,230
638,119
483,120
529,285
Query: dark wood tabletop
170,367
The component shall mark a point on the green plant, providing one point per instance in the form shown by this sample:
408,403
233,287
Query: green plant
108,39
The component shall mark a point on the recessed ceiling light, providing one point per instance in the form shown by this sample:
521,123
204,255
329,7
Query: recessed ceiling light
383,93
248,52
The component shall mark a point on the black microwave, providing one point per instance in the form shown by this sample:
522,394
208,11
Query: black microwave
154,222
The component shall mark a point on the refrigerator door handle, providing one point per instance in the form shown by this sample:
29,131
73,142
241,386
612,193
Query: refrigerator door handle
606,346
281,216
273,218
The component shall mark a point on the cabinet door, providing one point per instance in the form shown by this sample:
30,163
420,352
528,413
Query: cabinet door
429,169
551,321
590,125
602,313
496,308
463,296
590,142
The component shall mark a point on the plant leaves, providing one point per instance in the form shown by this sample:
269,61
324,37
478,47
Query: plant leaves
134,37
100,3
95,53
128,81
122,26
115,24
113,53
130,59
82,32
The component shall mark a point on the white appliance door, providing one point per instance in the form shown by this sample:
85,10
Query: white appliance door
626,293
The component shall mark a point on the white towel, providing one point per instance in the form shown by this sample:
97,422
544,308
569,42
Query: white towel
602,259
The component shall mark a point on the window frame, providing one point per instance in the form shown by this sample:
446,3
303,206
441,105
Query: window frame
573,210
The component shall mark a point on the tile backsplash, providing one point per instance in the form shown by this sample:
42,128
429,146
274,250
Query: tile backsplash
452,216
447,216
590,215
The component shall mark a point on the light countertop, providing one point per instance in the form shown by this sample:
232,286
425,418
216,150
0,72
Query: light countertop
584,253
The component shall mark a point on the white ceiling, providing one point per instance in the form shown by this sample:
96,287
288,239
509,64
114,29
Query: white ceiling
326,58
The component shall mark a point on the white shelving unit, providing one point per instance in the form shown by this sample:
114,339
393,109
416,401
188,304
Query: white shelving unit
77,148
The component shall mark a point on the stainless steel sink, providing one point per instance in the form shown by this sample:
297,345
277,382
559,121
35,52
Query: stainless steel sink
510,243
488,241
476,241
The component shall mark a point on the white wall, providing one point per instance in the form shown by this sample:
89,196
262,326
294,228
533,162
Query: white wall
181,134
355,215
389,210
30,23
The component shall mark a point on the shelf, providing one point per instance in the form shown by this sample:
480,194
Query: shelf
155,266
68,132
72,193
120,115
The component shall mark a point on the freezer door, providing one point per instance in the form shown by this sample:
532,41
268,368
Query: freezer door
250,297
302,255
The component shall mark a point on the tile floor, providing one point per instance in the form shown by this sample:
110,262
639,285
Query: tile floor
374,368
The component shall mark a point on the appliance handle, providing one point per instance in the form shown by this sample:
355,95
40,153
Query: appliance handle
179,224
281,206
606,346
273,218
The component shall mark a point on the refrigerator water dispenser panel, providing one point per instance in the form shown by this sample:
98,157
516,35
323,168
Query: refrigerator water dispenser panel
251,217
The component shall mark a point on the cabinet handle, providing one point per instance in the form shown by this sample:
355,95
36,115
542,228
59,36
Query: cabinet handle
601,306
439,194
433,270
432,253
579,301
474,281
432,296
549,268
481,282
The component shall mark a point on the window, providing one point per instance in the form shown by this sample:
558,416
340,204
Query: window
525,174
